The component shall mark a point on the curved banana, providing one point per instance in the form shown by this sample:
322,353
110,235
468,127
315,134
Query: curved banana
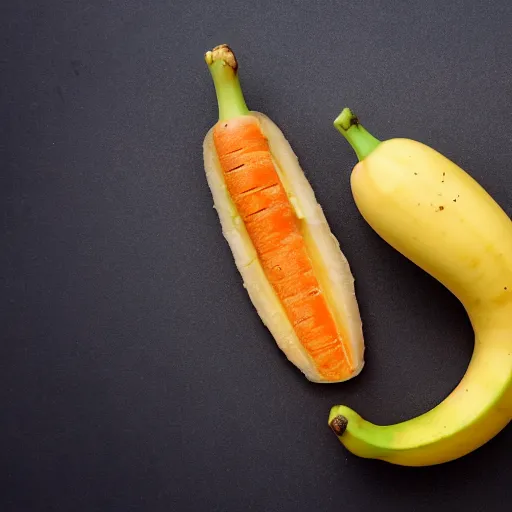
435,214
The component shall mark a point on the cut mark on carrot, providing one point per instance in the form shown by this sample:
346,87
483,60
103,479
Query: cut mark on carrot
235,168
304,320
258,189
255,213
235,151
262,203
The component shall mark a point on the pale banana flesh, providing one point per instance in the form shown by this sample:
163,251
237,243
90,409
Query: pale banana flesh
436,215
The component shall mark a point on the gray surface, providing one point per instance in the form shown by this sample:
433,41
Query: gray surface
135,373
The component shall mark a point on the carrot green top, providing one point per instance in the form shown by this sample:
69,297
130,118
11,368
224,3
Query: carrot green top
224,69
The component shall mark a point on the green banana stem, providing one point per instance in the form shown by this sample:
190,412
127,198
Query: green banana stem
361,141
224,70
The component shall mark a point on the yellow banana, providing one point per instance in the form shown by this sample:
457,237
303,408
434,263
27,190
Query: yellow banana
436,215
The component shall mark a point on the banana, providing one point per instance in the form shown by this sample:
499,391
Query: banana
330,265
440,218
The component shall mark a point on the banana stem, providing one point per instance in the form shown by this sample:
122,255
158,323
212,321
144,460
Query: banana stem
224,70
361,141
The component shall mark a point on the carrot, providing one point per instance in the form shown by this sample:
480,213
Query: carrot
263,205
285,246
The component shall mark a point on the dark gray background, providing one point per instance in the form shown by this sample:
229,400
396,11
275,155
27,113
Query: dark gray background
135,374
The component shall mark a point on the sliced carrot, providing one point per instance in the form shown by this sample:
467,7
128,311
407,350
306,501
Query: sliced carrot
263,205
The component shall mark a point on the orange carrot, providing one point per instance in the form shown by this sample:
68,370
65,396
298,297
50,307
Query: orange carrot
263,205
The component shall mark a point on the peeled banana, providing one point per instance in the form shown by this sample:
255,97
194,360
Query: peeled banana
257,147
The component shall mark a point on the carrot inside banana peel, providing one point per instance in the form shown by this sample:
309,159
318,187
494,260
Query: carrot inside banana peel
291,264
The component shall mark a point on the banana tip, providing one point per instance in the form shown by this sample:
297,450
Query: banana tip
339,424
224,53
345,120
